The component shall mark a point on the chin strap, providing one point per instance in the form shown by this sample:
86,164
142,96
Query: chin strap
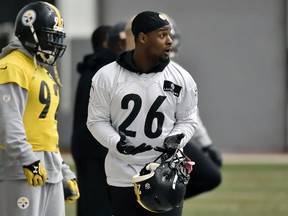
35,66
57,79
57,76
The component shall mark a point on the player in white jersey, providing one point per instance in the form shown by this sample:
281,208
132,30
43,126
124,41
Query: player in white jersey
206,174
140,102
32,171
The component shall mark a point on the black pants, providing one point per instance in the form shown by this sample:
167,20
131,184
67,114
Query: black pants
94,192
125,204
206,175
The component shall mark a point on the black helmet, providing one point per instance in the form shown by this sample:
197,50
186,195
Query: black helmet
159,187
39,26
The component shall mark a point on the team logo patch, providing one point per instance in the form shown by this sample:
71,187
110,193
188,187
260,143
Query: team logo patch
28,17
23,202
6,98
170,86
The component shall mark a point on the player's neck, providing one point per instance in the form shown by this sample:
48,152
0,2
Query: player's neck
142,62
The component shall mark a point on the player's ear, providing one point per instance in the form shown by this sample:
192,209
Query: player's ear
142,37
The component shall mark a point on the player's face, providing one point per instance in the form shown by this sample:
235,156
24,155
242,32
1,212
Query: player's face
159,43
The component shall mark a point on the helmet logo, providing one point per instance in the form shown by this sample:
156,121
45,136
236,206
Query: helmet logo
163,16
29,18
147,186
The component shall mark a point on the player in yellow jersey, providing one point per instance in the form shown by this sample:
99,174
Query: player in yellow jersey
32,171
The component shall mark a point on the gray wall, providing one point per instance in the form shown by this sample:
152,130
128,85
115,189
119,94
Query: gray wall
76,50
235,50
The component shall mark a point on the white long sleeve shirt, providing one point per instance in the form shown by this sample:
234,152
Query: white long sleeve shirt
146,107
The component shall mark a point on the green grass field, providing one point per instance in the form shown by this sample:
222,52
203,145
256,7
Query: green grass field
246,190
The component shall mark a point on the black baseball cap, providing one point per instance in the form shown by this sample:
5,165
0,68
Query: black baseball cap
148,21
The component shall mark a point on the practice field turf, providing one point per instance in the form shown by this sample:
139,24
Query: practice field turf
246,190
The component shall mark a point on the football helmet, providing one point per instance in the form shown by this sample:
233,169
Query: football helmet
40,28
161,186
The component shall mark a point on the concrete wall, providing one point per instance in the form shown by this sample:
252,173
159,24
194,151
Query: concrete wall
235,50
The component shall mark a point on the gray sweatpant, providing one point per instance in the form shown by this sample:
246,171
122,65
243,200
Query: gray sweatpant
17,198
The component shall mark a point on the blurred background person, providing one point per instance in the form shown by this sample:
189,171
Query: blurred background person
88,154
206,174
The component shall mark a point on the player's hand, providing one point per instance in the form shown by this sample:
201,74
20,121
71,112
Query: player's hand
35,173
214,155
71,190
124,147
171,143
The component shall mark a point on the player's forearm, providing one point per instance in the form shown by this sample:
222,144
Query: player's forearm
13,136
67,172
201,136
98,119
187,126
103,132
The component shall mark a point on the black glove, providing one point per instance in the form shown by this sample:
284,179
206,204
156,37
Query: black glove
124,147
171,143
214,155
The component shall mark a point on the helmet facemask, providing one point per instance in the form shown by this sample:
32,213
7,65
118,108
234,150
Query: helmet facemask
50,46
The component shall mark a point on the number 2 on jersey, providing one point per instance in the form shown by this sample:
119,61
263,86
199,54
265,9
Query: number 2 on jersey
151,115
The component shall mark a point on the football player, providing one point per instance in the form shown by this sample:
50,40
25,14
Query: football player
32,171
140,102
206,173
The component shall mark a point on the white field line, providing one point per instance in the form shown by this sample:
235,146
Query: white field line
250,158
230,158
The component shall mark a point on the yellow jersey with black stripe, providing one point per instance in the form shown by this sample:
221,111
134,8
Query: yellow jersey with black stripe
39,117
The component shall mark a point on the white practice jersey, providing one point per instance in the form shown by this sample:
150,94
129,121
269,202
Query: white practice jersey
146,107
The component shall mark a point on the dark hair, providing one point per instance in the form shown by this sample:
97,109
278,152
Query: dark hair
99,36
